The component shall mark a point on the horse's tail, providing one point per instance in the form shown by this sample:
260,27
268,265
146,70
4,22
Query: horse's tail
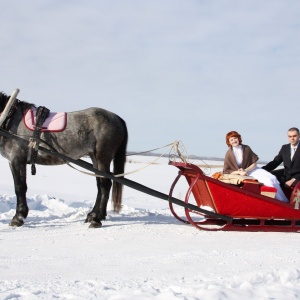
119,167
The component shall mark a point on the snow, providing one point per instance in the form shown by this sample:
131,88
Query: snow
141,253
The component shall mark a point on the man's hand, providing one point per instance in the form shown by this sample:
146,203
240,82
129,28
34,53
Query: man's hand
290,182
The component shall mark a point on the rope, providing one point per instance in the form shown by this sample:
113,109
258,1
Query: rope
134,171
137,153
117,175
186,158
172,146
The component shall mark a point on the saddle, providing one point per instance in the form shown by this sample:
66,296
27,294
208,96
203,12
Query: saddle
55,122
41,120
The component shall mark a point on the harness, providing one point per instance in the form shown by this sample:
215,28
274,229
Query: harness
55,122
41,115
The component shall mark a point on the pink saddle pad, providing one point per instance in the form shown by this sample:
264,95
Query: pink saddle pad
55,122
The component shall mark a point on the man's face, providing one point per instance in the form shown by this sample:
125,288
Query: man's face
293,137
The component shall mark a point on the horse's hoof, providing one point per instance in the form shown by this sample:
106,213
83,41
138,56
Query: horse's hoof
95,224
16,223
89,219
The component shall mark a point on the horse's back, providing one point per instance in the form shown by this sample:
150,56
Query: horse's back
96,115
89,131
100,121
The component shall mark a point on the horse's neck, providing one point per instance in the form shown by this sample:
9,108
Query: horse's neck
14,122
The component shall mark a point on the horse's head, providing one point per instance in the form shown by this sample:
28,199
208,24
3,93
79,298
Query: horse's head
3,101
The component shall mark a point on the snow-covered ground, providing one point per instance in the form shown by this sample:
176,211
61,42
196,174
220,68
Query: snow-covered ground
141,253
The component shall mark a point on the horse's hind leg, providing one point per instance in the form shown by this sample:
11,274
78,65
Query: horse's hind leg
99,212
18,170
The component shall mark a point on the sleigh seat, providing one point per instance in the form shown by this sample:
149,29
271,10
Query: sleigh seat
246,183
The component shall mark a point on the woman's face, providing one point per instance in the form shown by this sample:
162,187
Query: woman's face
234,141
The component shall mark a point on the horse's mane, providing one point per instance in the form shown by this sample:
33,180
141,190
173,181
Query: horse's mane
22,104
25,105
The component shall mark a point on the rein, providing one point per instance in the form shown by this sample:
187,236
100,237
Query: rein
170,146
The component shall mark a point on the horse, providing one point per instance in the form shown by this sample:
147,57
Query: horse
94,132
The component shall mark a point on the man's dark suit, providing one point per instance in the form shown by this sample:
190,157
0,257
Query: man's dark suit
291,167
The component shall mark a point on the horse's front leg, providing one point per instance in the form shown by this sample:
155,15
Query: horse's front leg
98,212
18,170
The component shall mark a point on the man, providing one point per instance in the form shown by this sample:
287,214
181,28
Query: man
289,154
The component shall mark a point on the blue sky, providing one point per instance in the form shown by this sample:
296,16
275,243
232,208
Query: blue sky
173,70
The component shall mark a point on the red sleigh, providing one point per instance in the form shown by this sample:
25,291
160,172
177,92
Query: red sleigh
248,205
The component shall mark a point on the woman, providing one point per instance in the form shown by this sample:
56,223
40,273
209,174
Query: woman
241,160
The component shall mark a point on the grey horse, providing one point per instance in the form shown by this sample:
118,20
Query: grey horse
93,132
